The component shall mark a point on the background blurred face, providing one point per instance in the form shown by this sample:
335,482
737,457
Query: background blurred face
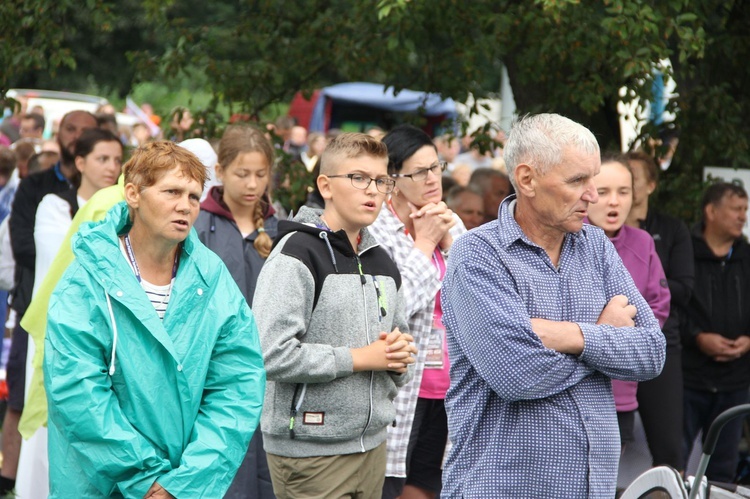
470,208
614,184
498,190
317,146
298,136
28,129
102,166
70,129
728,217
245,179
642,187
183,121
461,174
448,149
420,193
141,134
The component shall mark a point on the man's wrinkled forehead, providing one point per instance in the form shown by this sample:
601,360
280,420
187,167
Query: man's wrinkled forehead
572,160
732,197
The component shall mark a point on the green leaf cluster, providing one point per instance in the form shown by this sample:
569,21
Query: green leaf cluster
567,56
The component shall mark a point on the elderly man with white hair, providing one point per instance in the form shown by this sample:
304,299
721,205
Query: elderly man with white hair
541,314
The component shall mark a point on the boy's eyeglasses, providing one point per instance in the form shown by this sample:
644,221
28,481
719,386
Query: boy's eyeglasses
383,184
421,174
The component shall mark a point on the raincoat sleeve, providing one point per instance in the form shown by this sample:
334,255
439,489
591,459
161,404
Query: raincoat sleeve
231,405
85,418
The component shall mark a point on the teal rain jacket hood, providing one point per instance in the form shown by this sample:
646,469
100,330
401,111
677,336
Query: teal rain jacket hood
132,399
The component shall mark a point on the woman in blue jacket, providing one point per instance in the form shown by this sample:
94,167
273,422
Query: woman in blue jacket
237,222
153,370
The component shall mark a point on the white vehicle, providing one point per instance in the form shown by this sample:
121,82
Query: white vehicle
57,104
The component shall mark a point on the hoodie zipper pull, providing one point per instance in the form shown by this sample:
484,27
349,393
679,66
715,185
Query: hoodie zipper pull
362,278
381,299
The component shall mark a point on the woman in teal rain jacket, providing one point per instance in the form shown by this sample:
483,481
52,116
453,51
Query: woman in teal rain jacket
152,365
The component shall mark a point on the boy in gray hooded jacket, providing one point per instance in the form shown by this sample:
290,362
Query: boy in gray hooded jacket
331,322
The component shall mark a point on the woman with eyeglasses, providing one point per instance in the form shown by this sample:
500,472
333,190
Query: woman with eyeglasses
417,229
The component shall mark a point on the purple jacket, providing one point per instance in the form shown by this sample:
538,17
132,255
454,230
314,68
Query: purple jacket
638,252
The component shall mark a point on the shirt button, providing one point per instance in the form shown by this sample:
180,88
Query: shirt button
200,292
119,294
179,367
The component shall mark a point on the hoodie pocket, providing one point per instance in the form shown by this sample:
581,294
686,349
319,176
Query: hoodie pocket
333,411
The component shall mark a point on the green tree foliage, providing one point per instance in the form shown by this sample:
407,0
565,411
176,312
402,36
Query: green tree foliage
103,41
574,57
32,39
565,56
713,100
70,45
561,55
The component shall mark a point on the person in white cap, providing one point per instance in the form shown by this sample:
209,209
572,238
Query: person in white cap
207,155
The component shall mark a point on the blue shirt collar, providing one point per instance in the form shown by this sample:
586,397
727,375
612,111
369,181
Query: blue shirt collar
510,232
58,172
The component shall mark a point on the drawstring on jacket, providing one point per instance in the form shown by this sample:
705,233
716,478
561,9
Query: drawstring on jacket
324,236
213,223
114,329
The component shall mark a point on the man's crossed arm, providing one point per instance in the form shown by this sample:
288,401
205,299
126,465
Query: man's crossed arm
567,337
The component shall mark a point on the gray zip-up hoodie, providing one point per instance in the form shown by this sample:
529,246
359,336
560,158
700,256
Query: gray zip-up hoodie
315,300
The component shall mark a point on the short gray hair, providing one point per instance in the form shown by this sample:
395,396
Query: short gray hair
540,140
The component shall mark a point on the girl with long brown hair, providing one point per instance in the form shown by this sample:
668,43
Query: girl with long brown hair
238,223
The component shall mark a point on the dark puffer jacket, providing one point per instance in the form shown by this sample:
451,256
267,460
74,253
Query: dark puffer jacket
675,249
720,304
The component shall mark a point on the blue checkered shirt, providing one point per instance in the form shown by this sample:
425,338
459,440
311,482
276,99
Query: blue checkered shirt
526,421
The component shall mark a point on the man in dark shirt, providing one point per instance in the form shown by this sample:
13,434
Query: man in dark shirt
716,334
30,192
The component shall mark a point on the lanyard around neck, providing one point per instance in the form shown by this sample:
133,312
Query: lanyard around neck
134,264
393,210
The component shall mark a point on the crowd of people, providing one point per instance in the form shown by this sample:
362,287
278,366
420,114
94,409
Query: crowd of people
434,321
